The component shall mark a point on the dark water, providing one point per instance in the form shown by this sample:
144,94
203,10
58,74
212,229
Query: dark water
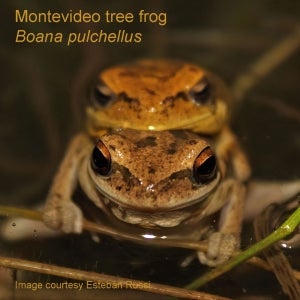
44,88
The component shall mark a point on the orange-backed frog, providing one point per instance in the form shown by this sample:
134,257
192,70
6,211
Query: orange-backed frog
158,95
155,179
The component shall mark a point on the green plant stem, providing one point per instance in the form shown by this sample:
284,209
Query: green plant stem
285,229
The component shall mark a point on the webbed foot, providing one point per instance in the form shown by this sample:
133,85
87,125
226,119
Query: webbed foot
220,248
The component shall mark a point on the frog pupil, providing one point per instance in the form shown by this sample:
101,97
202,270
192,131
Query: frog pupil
101,160
101,95
205,166
208,167
201,92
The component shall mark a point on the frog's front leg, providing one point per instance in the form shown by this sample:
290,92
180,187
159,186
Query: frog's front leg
226,240
230,198
60,212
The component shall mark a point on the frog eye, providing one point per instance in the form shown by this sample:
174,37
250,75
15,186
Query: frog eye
205,166
101,159
101,95
201,92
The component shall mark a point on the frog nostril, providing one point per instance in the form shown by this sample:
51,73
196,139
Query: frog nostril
101,159
205,166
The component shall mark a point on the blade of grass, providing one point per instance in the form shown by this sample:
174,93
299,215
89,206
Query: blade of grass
284,230
8,211
96,277
265,64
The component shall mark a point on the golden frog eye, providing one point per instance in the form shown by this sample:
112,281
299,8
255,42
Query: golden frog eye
201,92
101,159
101,95
205,166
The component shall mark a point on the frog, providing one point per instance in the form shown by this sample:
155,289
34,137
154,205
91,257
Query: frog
154,179
158,94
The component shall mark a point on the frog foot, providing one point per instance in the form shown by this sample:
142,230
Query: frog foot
220,248
66,216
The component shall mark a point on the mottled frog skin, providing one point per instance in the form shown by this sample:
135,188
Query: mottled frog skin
158,95
157,122
153,177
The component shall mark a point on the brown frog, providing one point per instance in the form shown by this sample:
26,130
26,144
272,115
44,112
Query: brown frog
152,97
153,179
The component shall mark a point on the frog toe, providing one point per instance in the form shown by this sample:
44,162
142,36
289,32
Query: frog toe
67,218
220,248
51,219
71,218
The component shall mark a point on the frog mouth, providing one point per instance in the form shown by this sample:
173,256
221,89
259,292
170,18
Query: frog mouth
190,212
203,123
158,219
